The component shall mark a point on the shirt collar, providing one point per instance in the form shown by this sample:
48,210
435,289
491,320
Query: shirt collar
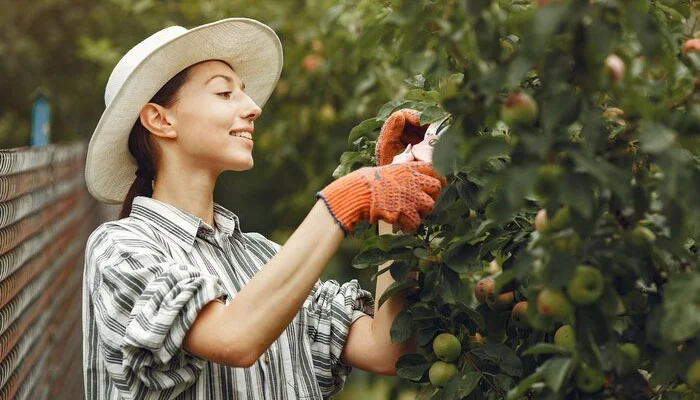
182,226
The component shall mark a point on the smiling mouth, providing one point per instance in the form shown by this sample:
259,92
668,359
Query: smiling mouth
246,135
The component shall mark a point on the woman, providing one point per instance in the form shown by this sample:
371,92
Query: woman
178,301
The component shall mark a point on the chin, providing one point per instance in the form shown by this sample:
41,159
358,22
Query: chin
241,165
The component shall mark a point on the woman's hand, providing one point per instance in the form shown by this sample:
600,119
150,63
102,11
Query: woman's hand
400,129
400,193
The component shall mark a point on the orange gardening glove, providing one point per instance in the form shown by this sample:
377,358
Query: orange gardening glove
398,193
400,129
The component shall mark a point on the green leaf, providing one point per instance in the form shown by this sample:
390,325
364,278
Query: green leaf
655,138
364,127
560,110
545,348
423,95
578,190
412,366
460,256
485,148
428,392
524,385
401,327
396,287
502,356
556,371
446,152
467,383
607,174
503,382
421,253
432,114
401,269
368,258
547,21
681,304
390,242
348,160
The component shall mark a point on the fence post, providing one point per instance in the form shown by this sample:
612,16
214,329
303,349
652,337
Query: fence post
41,118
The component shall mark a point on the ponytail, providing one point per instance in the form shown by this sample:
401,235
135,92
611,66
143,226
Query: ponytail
142,150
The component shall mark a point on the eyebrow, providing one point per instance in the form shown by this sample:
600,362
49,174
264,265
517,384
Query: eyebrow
227,78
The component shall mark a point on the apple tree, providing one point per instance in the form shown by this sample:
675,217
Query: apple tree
561,261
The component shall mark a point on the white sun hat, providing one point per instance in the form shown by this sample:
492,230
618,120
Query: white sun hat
250,47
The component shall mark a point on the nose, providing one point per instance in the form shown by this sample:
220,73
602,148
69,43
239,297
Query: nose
252,111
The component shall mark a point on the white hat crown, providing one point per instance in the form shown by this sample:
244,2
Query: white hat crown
135,56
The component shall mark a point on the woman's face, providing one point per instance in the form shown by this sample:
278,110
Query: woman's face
211,111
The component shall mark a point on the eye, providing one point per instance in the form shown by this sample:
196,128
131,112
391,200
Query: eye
225,95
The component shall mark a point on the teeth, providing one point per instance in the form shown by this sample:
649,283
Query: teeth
246,135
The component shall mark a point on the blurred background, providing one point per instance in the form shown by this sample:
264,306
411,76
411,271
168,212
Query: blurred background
335,75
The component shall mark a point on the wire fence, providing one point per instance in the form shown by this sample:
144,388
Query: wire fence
46,216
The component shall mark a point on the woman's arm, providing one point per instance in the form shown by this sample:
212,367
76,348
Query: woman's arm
368,345
238,333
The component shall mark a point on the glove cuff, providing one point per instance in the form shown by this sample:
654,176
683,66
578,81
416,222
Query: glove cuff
348,200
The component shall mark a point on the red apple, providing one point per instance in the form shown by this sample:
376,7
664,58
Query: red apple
615,67
541,221
311,62
690,46
482,289
519,315
519,108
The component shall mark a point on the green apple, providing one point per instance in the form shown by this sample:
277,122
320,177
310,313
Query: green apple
541,323
553,303
568,243
447,347
441,372
482,289
519,109
519,315
586,286
589,379
549,178
631,358
692,376
641,236
327,113
565,336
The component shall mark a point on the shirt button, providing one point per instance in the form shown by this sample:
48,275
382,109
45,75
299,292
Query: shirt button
266,359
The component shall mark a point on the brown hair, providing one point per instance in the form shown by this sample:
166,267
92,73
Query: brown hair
141,147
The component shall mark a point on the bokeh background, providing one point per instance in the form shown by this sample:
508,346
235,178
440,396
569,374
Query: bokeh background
336,74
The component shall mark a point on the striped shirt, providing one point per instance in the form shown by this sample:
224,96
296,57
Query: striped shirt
148,275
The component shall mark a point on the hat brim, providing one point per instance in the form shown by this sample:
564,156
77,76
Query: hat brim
251,48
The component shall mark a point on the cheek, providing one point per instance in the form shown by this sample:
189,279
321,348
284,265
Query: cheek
208,121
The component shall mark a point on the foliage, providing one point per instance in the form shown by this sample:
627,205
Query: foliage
612,156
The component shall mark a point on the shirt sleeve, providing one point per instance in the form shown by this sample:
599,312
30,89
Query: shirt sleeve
330,309
145,303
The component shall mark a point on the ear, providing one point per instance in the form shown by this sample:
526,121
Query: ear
158,120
